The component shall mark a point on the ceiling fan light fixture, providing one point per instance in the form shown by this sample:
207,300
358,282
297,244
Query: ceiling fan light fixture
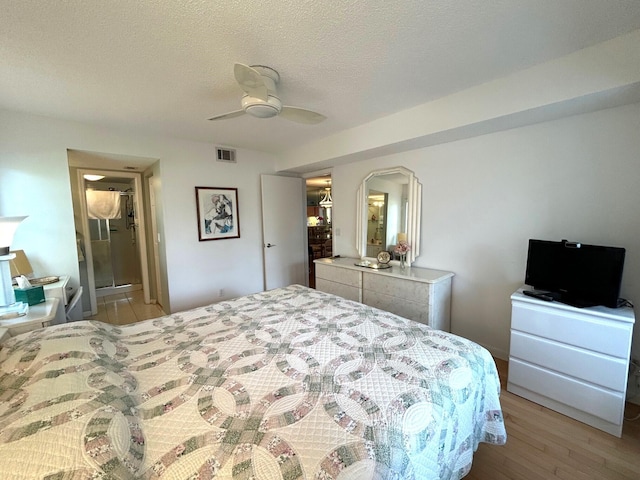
261,109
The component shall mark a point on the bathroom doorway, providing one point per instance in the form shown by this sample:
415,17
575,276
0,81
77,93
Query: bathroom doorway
113,233
113,229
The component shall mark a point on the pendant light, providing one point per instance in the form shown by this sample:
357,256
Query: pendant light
326,201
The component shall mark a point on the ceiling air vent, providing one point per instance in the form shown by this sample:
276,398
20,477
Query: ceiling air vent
225,155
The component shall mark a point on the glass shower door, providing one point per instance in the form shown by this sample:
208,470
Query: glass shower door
101,247
116,261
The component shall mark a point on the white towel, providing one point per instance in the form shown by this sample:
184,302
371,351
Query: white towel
103,205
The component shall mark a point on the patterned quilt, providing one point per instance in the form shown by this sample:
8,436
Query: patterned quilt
286,384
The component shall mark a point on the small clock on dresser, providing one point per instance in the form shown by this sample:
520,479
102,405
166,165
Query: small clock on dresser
384,257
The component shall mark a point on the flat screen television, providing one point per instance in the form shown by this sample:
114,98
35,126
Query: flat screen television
576,274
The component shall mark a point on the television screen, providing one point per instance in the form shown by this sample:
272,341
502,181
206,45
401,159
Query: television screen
576,274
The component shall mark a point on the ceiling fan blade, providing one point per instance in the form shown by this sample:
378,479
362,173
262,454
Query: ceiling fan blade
301,115
250,81
224,116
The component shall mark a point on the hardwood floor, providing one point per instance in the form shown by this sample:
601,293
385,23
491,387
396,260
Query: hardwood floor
543,444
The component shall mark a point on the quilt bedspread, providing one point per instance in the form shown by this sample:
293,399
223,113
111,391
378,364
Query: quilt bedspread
286,384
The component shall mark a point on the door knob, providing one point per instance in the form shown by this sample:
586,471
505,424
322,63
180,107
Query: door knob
269,245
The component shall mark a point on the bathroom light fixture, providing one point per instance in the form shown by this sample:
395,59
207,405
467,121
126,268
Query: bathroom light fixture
93,178
8,227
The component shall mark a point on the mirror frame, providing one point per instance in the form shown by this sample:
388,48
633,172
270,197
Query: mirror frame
414,207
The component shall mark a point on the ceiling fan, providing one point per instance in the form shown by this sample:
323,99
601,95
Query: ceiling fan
260,98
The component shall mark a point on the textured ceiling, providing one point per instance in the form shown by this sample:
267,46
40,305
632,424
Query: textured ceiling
164,67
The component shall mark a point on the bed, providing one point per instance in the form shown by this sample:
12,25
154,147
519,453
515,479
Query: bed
290,383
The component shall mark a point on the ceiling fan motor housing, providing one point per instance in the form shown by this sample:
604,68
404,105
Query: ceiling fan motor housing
261,109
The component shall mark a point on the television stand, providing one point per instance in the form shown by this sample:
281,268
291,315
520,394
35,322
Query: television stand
572,360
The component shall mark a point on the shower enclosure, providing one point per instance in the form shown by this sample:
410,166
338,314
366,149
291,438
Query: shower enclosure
114,238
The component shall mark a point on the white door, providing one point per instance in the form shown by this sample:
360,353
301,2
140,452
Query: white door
284,231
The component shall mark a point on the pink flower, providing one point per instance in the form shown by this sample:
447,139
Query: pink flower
402,247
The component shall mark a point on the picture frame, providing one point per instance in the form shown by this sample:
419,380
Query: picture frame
218,217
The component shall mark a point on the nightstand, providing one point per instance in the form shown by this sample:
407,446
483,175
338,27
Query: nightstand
39,316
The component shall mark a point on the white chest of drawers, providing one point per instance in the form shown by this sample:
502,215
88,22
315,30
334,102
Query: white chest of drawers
572,360
420,294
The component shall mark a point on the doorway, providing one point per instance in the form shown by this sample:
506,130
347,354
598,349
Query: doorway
113,233
112,228
319,220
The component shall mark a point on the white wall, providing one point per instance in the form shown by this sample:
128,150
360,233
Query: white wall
34,181
484,197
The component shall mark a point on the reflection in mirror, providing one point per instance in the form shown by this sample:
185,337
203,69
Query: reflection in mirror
377,223
389,211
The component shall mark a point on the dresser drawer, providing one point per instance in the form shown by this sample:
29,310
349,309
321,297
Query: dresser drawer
19,329
340,289
600,335
581,364
404,308
339,275
417,292
593,400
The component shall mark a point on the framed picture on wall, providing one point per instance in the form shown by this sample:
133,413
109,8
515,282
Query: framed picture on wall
217,213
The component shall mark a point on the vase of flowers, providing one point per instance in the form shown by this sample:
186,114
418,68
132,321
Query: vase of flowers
401,250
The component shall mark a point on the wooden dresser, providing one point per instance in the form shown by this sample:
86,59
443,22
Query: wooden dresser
420,294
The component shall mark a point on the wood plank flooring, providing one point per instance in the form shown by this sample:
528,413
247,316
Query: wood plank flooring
546,445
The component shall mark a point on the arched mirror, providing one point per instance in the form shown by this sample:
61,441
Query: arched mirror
388,206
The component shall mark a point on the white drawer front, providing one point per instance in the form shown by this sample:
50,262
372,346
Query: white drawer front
609,337
598,402
340,275
18,329
592,367
404,308
344,291
396,287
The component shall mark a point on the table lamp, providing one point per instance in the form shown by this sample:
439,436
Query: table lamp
8,305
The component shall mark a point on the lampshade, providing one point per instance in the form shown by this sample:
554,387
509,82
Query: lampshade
20,265
8,227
